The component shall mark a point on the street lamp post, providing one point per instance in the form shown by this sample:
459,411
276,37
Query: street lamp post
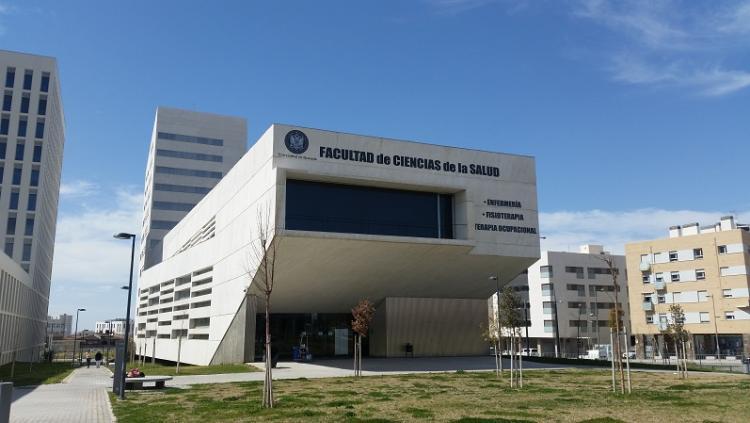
716,329
497,313
75,336
557,326
124,235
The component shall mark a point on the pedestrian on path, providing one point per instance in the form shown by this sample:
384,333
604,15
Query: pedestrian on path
98,358
88,359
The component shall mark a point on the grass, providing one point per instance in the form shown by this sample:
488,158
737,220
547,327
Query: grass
157,369
41,373
556,395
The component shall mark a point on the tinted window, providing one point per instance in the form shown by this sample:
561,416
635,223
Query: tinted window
3,147
27,77
26,256
25,104
37,153
7,101
10,228
29,229
315,206
9,247
17,175
22,124
39,129
32,201
10,76
34,177
4,124
42,109
181,188
19,150
45,83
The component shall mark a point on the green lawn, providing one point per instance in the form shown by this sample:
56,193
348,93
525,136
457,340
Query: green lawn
563,395
41,373
185,370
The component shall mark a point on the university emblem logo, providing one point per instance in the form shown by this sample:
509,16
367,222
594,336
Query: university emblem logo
296,141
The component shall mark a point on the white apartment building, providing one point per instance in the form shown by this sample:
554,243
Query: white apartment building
570,294
415,228
113,327
60,326
32,137
189,153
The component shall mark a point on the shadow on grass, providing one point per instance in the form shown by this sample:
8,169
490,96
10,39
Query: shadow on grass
39,374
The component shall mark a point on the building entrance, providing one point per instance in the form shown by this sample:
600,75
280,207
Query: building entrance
323,335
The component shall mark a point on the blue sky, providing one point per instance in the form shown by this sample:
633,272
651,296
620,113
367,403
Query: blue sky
636,111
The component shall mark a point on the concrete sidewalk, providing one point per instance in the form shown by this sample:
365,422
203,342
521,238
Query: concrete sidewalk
371,367
82,397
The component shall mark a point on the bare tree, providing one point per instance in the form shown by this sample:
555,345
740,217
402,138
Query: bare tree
680,337
262,272
616,318
362,314
491,334
510,304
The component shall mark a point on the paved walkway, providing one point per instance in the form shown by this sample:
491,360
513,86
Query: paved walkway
82,397
372,367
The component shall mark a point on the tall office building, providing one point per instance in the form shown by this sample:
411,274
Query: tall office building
32,136
190,152
60,326
706,271
570,295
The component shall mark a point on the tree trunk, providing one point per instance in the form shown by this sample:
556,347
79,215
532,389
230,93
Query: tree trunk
511,359
498,358
268,382
520,364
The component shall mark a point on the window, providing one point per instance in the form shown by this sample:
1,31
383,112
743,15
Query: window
34,177
39,129
727,293
14,200
19,150
646,277
545,271
659,277
162,224
673,256
661,299
28,76
22,124
2,171
9,247
168,205
581,289
189,138
702,296
10,226
190,156
32,202
188,172
697,253
4,124
649,319
548,326
3,148
29,230
704,317
45,83
577,270
7,101
326,207
729,315
700,274
42,108
26,255
10,77
181,188
722,249
674,276
37,156
594,271
25,100
17,173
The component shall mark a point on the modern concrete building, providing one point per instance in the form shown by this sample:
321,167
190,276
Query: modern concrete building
32,137
705,270
571,294
113,327
60,326
189,153
415,228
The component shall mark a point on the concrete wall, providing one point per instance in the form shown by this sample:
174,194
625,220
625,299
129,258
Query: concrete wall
434,326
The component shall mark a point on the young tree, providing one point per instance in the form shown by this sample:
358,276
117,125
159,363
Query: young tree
680,337
510,304
491,334
616,318
262,273
362,315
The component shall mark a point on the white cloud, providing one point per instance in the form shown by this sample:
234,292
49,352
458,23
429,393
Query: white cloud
79,188
567,230
677,43
86,253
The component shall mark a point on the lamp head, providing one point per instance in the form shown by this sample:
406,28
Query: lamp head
124,235
81,309
492,278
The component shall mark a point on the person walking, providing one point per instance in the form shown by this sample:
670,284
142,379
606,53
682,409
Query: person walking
98,358
88,359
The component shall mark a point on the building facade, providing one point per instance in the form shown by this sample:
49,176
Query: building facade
112,327
189,153
32,137
60,326
570,294
704,270
415,228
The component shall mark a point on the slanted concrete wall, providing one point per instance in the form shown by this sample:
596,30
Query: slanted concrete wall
238,344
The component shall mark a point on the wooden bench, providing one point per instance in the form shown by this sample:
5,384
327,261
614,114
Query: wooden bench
137,382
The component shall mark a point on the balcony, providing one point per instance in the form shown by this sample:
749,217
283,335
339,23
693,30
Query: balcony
645,266
662,326
660,285
648,306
